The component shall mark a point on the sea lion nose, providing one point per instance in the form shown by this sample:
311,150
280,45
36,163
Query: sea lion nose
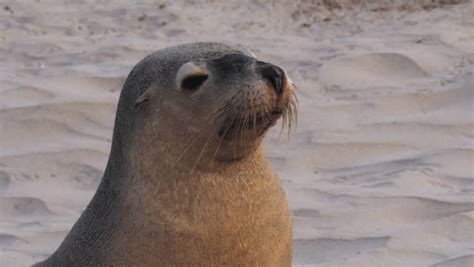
274,74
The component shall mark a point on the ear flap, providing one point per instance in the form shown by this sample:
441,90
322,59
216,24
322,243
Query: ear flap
144,97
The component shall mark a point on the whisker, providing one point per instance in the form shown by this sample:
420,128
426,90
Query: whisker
295,106
236,134
242,129
191,141
255,114
222,139
283,124
200,154
290,121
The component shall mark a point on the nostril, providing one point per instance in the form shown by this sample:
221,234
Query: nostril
273,74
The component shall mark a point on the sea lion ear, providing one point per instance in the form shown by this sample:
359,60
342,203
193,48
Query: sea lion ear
190,76
144,97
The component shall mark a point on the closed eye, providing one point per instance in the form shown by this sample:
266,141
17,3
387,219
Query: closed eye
192,83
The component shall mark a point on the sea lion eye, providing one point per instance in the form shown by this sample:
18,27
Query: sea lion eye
192,83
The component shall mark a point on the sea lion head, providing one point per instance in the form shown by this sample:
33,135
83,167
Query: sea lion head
216,108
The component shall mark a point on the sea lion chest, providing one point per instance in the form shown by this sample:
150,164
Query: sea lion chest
217,218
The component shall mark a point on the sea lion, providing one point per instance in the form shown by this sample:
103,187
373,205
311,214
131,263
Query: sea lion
187,181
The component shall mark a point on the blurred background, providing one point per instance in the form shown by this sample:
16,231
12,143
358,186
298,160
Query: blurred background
378,173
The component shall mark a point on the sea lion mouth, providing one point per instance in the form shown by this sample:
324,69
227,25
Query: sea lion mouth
259,123
248,122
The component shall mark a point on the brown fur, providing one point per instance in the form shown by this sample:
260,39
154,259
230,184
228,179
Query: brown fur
175,192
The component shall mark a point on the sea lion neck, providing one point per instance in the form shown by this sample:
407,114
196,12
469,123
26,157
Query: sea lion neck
161,155
168,161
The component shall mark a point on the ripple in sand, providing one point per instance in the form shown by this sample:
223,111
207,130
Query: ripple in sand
466,260
306,213
312,251
374,69
23,96
7,240
22,206
5,181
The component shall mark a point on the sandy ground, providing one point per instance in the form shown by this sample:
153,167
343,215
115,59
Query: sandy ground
380,169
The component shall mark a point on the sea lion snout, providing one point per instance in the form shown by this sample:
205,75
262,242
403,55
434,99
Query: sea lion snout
273,74
260,94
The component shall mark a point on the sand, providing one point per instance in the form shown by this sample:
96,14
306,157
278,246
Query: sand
378,173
